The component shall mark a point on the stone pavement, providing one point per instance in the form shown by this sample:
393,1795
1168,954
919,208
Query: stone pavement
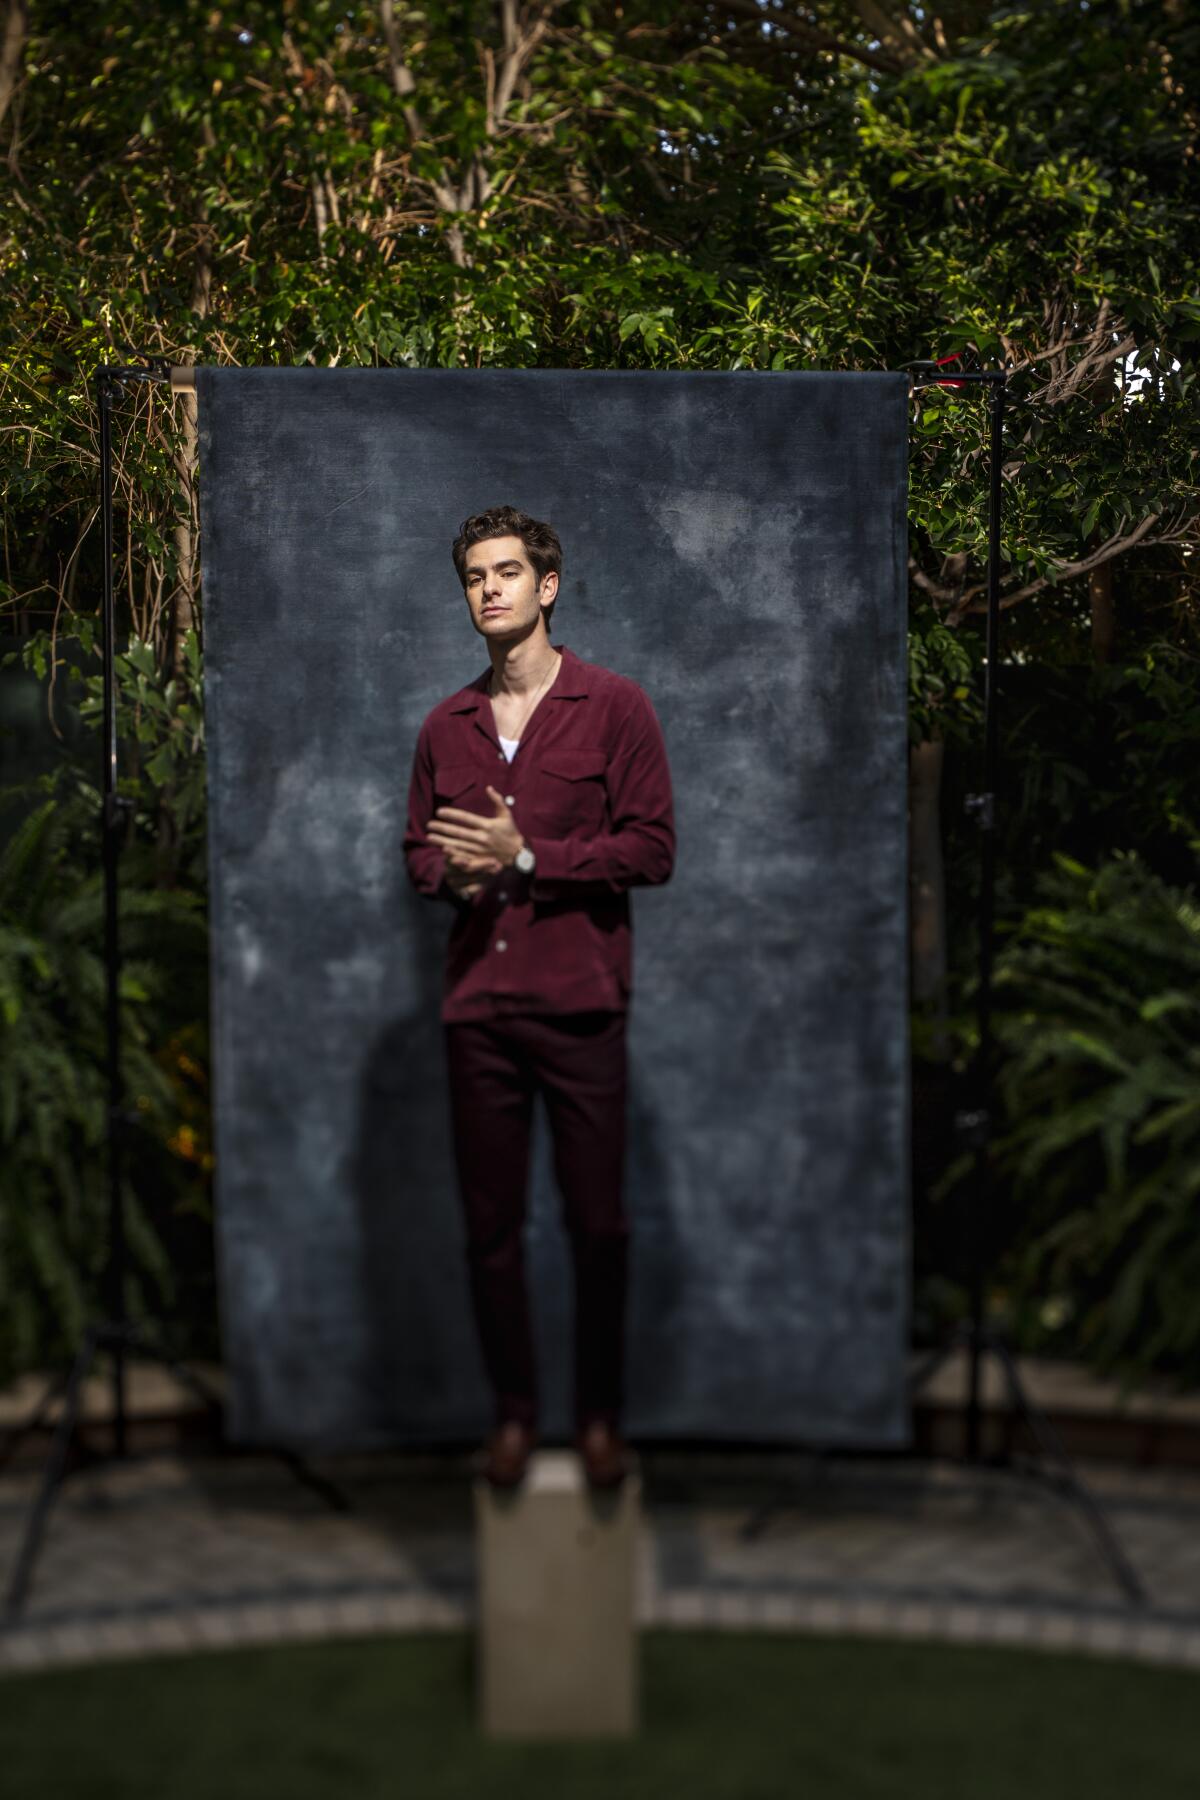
174,1551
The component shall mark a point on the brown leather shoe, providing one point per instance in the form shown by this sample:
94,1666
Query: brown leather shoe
606,1456
505,1456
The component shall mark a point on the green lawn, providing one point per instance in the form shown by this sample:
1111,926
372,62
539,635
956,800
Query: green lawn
726,1716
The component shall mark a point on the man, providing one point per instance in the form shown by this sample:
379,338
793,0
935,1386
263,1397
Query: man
537,860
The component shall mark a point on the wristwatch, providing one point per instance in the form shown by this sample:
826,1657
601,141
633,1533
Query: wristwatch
524,860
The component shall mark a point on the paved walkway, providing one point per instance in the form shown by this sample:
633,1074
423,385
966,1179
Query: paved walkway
173,1552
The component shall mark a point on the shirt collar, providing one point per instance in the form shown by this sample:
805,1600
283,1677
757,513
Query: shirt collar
573,682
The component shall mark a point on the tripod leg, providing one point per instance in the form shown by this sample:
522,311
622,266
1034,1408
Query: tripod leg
135,1337
52,1478
14,1437
188,1378
975,1336
332,1495
752,1526
1051,1444
925,1371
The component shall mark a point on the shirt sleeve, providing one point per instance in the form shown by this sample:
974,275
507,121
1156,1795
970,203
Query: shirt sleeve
426,862
639,851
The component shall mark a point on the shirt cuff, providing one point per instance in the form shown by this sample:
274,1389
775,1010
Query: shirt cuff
556,871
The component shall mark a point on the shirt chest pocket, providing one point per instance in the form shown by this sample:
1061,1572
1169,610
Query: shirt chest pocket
570,794
459,784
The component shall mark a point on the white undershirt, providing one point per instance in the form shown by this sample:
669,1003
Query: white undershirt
509,746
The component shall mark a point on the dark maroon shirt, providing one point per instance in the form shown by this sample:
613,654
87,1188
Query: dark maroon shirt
590,792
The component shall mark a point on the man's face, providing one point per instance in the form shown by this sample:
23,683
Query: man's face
502,590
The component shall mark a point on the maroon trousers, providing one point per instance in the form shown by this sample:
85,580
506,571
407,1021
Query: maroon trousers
495,1067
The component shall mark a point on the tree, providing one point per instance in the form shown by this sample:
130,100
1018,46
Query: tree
850,184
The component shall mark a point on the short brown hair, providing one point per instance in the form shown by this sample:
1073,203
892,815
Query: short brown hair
540,542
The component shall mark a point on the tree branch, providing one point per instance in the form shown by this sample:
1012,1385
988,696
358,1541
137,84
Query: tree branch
520,35
402,76
967,601
814,37
901,35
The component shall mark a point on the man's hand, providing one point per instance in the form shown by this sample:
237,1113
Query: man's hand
462,874
472,842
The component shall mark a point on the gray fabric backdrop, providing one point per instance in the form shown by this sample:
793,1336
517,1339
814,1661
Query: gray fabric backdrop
735,542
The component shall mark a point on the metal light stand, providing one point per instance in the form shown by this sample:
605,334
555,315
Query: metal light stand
973,1123
114,1333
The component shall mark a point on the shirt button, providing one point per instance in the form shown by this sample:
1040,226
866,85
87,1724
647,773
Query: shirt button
502,945
502,895
508,799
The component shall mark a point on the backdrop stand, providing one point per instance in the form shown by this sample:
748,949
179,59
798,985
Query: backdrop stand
973,1123
115,1333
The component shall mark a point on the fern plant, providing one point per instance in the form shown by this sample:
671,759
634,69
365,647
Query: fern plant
1098,1022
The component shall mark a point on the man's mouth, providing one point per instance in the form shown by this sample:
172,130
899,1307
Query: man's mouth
489,610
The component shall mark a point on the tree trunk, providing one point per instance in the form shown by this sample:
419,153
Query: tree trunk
183,611
1104,616
13,34
927,887
1102,393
